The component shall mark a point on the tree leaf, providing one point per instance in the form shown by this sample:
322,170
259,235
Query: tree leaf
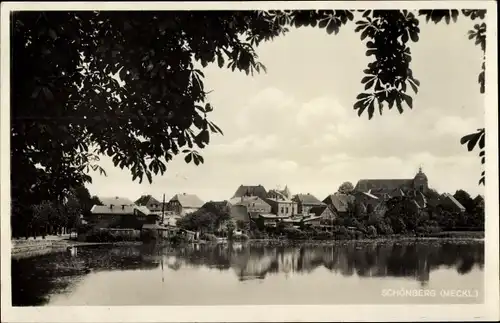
408,99
370,83
471,140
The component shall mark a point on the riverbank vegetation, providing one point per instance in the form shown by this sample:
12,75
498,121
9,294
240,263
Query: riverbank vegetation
52,217
401,218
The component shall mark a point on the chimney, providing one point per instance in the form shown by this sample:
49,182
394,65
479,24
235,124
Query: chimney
111,206
123,207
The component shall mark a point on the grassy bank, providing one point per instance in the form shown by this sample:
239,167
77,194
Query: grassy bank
33,248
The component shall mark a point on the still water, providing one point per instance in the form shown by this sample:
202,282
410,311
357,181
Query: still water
384,272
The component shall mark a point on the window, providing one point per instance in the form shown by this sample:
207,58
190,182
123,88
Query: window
282,210
286,210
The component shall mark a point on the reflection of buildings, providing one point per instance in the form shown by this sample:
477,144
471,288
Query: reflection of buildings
252,265
415,261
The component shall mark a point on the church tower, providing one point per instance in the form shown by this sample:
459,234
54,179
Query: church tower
420,182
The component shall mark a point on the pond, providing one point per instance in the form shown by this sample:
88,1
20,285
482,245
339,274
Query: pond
382,272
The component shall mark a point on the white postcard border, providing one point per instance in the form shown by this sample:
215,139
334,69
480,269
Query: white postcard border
487,311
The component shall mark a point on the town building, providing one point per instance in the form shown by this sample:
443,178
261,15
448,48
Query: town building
249,190
305,202
120,216
372,194
151,203
246,207
277,193
340,204
323,212
270,220
392,187
281,204
182,204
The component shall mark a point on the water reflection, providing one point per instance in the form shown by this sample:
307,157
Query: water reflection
35,279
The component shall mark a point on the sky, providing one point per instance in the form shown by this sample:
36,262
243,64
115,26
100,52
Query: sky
295,125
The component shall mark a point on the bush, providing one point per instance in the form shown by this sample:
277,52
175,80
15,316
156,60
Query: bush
428,230
209,237
358,235
257,234
99,235
384,228
398,226
359,225
323,235
295,234
84,228
179,238
371,231
340,232
149,235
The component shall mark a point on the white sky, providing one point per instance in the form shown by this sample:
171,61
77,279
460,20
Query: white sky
296,126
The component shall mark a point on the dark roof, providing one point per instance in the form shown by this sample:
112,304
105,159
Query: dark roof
340,202
218,204
145,199
454,200
307,199
248,190
318,210
383,184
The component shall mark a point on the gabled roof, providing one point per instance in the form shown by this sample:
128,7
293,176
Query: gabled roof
277,193
319,211
340,202
188,200
307,199
454,200
115,201
143,210
421,199
249,200
145,199
250,190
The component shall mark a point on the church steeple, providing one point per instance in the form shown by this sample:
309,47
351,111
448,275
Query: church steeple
420,182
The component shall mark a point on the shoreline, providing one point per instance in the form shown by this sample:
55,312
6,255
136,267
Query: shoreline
33,248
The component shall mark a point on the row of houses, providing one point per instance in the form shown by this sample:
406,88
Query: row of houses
369,195
254,202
